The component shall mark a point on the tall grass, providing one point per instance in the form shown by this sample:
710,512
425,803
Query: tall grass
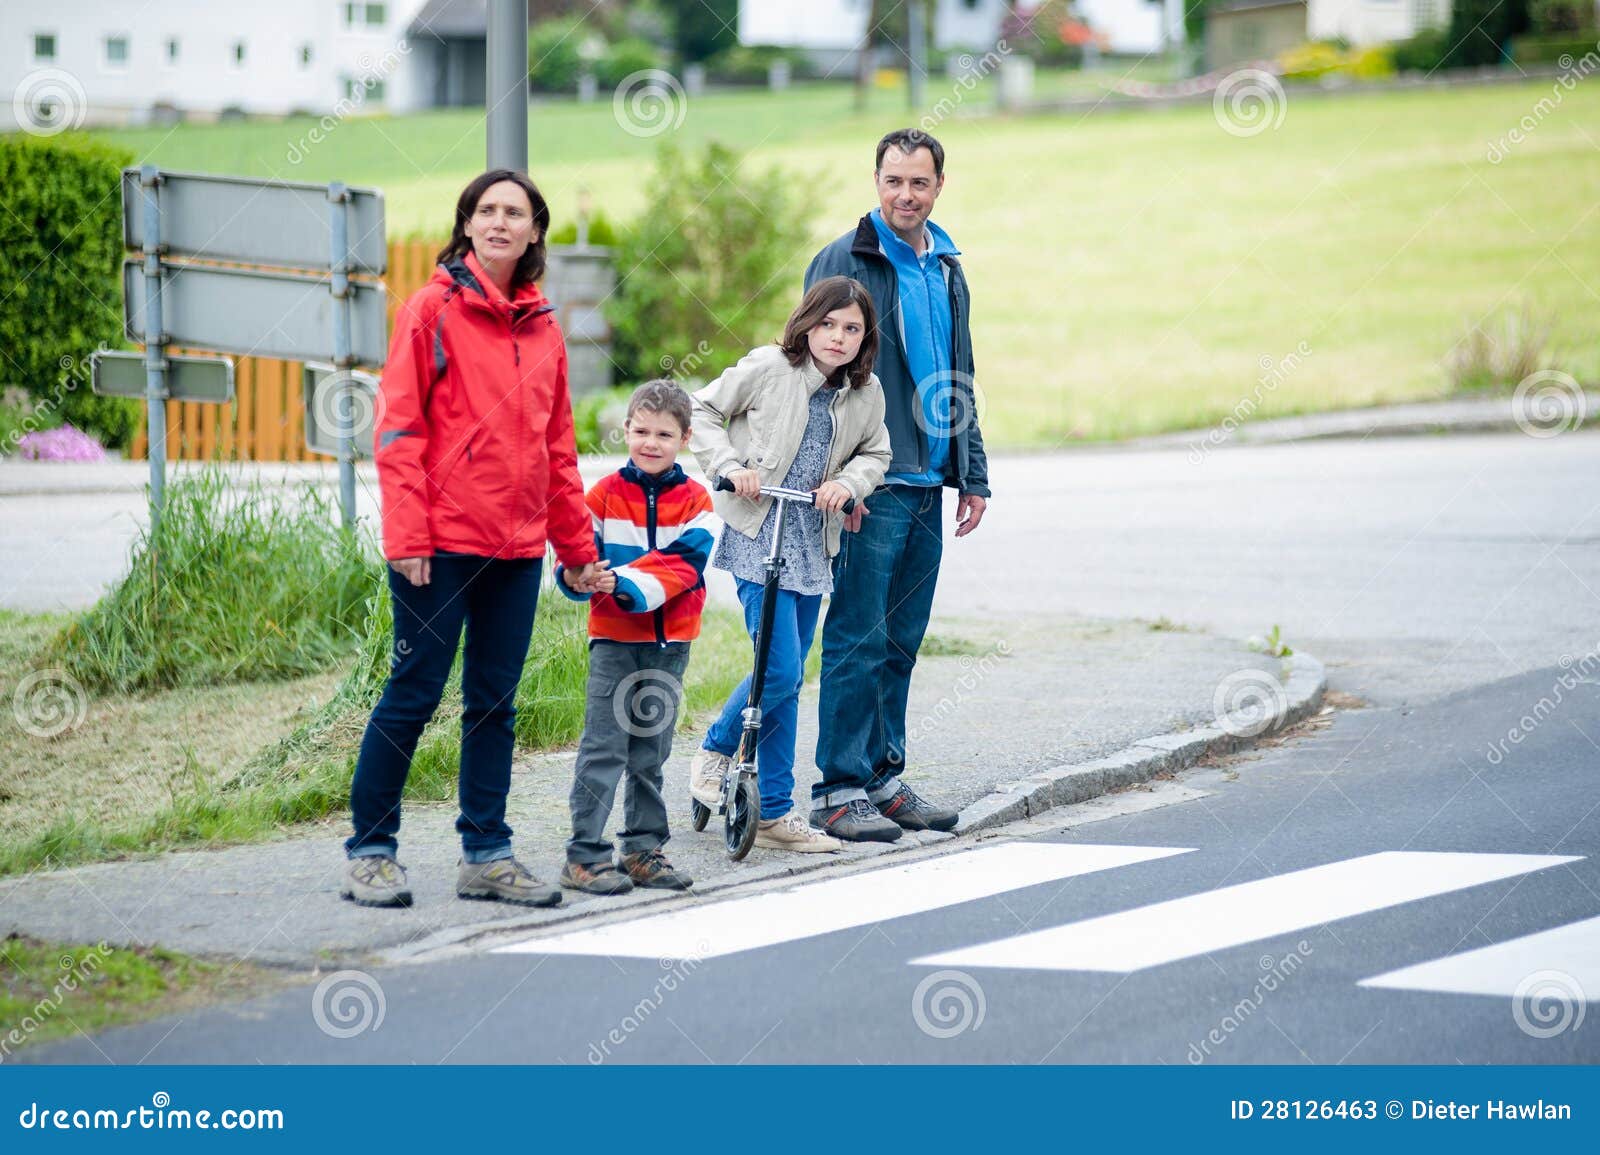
233,583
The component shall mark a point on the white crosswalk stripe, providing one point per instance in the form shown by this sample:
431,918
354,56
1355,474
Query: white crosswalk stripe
1231,916
1562,963
706,930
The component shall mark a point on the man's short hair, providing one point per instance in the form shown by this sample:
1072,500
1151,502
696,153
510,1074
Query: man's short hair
908,140
662,396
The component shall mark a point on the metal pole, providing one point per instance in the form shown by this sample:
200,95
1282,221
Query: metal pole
507,89
343,361
917,33
155,343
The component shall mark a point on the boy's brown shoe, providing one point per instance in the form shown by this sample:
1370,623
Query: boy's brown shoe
650,869
601,878
504,880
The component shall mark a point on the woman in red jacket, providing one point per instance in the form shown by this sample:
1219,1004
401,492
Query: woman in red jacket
478,468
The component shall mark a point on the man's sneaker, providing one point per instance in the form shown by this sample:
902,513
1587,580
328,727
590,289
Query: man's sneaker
705,777
375,880
913,812
504,880
855,821
601,878
792,832
651,870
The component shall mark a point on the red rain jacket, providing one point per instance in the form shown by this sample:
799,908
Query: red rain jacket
473,436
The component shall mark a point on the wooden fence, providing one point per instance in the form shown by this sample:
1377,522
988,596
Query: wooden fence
266,421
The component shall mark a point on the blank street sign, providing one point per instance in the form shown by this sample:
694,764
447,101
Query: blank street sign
113,373
328,408
256,314
260,222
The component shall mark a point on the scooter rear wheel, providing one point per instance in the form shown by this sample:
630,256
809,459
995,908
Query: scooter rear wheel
739,824
699,813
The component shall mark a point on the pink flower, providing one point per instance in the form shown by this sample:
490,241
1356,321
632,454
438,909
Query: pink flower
61,444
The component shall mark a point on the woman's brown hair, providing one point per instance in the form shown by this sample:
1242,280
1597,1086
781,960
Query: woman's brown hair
531,267
825,296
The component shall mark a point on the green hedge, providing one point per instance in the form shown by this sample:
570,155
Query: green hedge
60,256
1532,50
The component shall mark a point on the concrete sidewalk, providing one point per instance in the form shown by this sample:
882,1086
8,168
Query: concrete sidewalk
1017,700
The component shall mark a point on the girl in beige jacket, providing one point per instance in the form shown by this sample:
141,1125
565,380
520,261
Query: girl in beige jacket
806,413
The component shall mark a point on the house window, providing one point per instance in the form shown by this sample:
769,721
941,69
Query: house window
44,45
375,15
305,55
238,53
117,50
359,91
1247,37
350,11
173,49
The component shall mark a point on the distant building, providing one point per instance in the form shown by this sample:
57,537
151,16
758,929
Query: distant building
830,30
111,61
1255,29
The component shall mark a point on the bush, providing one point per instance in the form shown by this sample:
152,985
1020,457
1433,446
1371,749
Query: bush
1528,50
601,232
1424,52
623,59
598,419
746,65
554,59
61,237
1318,58
703,27
21,415
235,584
1481,30
1560,18
707,260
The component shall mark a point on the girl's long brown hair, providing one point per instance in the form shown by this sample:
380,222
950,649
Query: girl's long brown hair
824,297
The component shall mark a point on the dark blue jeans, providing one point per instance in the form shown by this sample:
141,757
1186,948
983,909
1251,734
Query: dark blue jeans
883,582
793,625
495,599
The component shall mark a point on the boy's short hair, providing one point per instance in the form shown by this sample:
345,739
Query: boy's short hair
662,396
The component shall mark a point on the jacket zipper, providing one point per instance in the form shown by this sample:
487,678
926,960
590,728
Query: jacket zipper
660,614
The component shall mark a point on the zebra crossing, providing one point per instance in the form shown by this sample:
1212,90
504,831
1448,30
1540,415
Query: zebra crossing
1125,941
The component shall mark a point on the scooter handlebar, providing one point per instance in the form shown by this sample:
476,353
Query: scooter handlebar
778,493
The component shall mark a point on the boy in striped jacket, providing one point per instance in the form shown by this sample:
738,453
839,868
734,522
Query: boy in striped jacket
652,527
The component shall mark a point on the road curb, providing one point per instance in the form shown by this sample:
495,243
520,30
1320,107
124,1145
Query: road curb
1303,682
1303,686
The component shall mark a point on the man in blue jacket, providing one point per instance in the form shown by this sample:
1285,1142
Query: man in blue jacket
884,576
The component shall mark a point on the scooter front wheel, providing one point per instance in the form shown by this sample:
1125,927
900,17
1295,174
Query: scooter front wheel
699,813
739,824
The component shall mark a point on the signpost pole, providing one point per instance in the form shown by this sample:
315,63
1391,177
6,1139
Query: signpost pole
507,77
155,341
343,361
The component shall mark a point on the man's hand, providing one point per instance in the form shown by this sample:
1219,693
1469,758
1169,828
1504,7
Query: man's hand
746,483
416,570
831,496
853,519
969,512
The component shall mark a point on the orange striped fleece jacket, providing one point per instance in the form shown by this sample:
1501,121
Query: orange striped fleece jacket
657,534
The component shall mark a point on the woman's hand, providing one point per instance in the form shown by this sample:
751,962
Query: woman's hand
831,496
746,483
416,570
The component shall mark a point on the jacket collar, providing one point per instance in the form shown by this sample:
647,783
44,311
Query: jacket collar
673,476
466,273
866,243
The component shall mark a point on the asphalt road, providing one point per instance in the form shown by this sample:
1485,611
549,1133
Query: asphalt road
1450,583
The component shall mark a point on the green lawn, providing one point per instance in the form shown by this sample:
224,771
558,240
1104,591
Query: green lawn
1130,272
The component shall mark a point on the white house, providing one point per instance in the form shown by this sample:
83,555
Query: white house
122,61
832,28
1243,30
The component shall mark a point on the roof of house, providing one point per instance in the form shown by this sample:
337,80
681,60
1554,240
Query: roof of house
443,18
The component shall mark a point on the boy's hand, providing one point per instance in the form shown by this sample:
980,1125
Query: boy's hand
746,483
604,581
831,496
582,579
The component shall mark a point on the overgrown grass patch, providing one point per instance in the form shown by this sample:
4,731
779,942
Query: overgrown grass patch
232,584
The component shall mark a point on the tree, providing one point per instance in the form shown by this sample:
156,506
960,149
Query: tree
1481,30
703,28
